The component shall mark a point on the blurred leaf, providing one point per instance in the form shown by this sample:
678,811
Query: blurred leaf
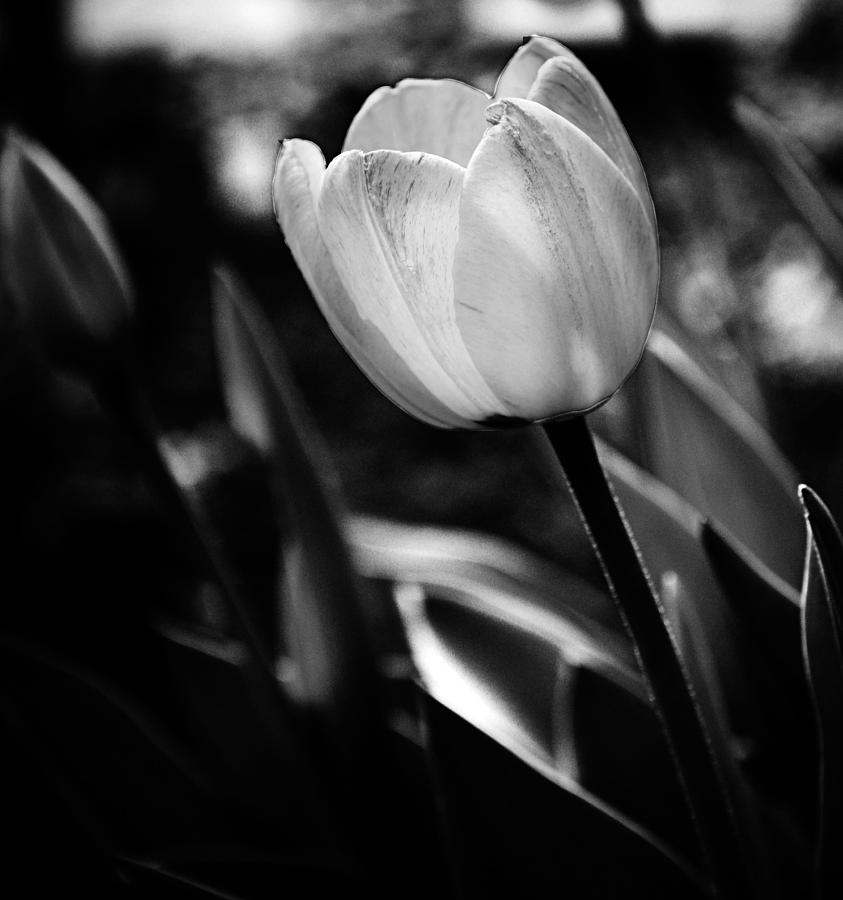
797,172
58,258
268,769
156,881
822,636
450,558
519,829
330,662
735,373
702,444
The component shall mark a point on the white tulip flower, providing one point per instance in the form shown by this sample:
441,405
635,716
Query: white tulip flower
481,259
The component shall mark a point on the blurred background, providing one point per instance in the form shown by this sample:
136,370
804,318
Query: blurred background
169,113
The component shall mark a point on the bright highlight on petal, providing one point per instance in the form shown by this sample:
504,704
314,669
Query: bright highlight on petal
564,85
445,118
299,173
520,72
390,221
546,216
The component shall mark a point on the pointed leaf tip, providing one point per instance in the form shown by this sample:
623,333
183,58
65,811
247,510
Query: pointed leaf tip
822,637
60,261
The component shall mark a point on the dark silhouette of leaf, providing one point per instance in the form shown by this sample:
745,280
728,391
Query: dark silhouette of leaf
135,784
702,444
767,630
520,829
731,674
822,637
59,261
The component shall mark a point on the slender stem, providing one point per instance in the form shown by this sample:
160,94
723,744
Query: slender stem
667,681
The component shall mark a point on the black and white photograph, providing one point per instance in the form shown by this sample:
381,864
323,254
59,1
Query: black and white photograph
422,459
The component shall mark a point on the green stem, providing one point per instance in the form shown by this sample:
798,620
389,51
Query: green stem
670,690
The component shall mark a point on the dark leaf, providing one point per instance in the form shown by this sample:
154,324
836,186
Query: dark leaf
519,829
822,636
702,444
180,793
754,732
767,632
58,257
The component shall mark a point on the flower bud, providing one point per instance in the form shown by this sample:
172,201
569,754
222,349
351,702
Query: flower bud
481,259
59,261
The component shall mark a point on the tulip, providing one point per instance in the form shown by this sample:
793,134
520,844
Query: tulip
481,259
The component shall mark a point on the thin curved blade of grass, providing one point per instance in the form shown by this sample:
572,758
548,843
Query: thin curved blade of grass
822,637
519,829
157,881
797,172
245,878
702,444
324,634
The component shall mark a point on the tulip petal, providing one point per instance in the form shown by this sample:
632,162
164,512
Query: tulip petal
299,174
564,85
443,117
390,222
518,75
556,269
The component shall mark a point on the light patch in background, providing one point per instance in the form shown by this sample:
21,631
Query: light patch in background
573,20
243,150
744,18
185,28
798,307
